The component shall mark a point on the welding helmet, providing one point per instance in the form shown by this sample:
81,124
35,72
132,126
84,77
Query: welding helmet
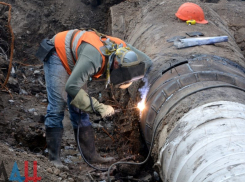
191,11
130,68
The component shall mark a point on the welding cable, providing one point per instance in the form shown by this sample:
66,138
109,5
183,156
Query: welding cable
12,44
80,150
154,132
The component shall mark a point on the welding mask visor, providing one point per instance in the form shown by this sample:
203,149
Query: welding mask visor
125,75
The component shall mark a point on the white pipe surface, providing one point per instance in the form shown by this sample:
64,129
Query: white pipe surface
207,144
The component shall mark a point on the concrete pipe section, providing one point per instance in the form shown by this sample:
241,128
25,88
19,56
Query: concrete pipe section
194,119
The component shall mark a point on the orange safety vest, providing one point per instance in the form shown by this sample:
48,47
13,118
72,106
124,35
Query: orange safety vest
62,46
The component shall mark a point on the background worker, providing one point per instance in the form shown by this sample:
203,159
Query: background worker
79,55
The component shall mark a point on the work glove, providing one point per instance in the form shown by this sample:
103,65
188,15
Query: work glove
104,110
82,101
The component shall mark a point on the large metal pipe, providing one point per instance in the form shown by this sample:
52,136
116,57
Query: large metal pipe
199,119
196,100
207,144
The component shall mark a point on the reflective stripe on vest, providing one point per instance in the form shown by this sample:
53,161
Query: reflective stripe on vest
62,46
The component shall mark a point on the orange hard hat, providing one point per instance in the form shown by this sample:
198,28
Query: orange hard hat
191,11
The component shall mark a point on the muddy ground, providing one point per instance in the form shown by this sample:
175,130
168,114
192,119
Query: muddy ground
23,101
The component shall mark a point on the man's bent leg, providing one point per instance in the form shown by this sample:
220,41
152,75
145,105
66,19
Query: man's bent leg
80,120
56,77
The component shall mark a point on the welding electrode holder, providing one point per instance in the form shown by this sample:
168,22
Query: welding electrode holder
96,112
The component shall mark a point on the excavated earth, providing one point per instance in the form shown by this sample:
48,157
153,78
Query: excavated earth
23,101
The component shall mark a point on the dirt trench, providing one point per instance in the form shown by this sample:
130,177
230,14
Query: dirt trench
23,103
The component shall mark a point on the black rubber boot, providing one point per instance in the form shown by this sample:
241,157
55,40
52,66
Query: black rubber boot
87,144
53,139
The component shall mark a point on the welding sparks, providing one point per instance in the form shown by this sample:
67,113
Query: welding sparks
144,90
141,105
